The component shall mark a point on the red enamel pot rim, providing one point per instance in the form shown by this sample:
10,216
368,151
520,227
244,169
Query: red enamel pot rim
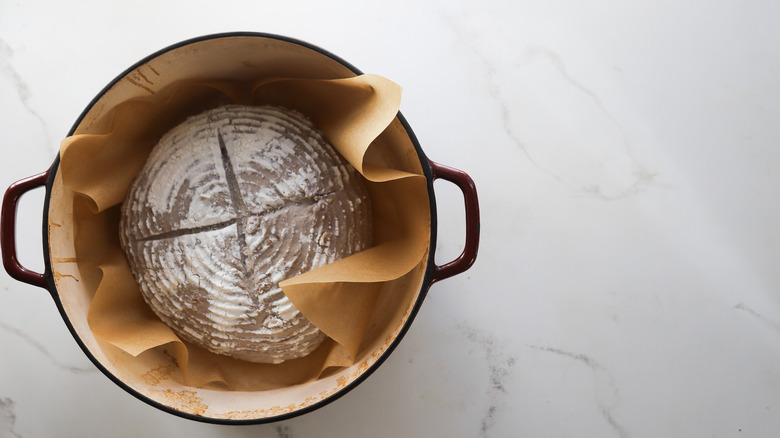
433,272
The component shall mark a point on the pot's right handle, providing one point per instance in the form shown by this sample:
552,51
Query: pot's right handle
8,229
469,254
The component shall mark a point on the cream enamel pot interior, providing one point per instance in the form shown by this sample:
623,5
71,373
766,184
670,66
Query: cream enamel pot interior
239,56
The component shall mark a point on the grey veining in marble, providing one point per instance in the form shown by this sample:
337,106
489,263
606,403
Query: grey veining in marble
768,322
20,334
8,414
606,400
500,367
22,89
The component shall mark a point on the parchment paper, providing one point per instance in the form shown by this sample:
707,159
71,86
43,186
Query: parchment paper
338,298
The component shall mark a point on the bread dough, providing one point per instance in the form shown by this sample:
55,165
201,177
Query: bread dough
229,203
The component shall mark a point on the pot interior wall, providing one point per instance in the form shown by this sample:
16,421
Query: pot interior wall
154,373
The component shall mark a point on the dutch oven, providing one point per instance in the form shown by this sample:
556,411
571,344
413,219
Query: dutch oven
217,405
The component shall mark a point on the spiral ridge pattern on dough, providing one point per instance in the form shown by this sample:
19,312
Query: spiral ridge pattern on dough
230,203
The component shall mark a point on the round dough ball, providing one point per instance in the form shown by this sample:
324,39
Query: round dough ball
230,203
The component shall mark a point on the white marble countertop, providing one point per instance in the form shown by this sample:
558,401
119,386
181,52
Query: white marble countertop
628,168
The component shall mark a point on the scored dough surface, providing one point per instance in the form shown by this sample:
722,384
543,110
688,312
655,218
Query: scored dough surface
230,203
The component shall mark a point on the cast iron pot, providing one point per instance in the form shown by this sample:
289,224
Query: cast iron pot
257,54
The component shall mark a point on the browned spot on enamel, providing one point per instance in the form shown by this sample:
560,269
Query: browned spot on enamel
185,401
143,76
156,375
139,85
57,276
64,260
341,383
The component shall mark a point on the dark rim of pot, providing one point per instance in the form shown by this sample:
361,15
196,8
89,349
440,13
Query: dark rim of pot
427,279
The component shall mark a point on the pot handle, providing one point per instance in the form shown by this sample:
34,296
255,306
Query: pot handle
469,254
8,229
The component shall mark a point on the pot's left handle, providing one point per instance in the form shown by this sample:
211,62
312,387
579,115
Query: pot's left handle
8,229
